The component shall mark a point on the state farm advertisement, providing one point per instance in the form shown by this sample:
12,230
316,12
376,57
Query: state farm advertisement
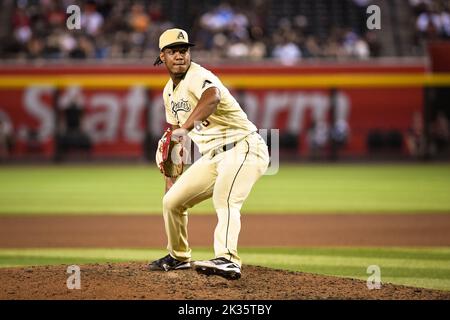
117,120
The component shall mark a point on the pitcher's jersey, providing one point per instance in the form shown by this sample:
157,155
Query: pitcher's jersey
227,124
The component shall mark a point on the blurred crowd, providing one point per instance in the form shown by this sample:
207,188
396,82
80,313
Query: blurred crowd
130,29
109,29
432,20
239,32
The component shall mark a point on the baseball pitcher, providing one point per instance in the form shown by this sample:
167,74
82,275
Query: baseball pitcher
234,156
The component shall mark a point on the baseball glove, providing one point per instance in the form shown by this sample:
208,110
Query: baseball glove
169,155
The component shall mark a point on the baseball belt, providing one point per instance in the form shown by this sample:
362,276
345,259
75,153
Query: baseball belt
224,148
228,146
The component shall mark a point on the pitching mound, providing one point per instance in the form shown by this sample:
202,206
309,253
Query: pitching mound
133,281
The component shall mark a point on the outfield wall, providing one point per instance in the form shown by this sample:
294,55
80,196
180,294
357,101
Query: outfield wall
124,105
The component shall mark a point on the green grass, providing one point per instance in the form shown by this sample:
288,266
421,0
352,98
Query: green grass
295,189
419,267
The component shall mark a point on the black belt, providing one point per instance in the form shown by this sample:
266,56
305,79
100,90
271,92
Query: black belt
224,148
233,144
229,146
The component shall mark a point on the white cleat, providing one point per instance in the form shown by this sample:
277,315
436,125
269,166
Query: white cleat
218,266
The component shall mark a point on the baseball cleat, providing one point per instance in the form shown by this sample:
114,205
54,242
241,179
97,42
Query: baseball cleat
218,266
168,263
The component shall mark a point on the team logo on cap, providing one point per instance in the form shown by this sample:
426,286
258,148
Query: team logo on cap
180,36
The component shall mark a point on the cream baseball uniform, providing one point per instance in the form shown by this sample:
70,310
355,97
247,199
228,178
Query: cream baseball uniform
225,175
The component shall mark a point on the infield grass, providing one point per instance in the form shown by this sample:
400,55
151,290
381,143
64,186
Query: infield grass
418,267
138,189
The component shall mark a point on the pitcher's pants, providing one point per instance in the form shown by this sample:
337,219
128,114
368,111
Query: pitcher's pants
228,178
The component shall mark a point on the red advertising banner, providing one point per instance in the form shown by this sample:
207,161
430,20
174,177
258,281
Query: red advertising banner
118,119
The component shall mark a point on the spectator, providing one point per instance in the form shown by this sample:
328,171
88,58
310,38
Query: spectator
419,6
434,22
52,48
440,133
286,49
6,136
67,43
340,133
238,49
287,52
83,50
361,49
318,138
257,51
55,15
70,131
415,137
374,44
91,20
216,21
445,19
238,26
312,48
138,20
362,3
333,47
155,12
21,26
354,46
35,48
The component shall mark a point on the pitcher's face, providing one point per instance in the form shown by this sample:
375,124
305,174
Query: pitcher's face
177,59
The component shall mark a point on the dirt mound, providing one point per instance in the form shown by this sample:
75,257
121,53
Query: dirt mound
133,281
